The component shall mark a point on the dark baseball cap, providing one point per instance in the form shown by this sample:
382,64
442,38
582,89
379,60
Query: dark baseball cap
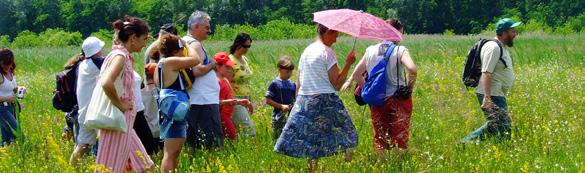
505,24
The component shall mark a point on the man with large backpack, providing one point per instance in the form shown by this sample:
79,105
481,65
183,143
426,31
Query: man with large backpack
496,79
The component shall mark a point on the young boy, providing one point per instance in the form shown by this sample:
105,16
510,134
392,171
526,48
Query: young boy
281,95
224,72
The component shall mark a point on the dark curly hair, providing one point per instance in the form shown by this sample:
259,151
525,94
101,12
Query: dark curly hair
169,45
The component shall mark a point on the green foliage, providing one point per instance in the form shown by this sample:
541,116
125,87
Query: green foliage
4,41
534,25
48,38
273,30
60,38
104,35
449,32
574,24
26,39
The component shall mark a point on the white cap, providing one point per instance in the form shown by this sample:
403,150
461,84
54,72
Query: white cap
91,46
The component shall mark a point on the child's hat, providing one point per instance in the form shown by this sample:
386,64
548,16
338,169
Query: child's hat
223,59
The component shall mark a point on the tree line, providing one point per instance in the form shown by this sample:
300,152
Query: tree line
421,16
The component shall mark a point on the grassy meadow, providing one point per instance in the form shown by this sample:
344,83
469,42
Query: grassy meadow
547,106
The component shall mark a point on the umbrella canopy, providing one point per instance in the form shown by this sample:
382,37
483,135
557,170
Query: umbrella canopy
358,24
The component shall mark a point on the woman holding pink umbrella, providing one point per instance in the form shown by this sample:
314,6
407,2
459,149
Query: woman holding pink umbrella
319,125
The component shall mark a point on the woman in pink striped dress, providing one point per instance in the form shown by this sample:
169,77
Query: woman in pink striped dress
119,151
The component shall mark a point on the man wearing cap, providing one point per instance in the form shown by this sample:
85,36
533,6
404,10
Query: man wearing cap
164,29
87,75
495,82
203,118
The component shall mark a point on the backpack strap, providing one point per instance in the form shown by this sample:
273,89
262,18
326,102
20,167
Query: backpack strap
193,40
389,51
398,58
501,52
160,73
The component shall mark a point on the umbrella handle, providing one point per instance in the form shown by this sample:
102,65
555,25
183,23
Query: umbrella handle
353,47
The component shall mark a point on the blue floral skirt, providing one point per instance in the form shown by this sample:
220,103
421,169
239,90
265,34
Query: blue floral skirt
318,126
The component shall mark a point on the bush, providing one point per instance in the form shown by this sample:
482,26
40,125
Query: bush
25,39
534,25
104,35
449,32
4,41
48,38
573,25
273,30
59,38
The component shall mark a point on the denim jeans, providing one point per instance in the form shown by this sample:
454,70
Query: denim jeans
498,124
8,124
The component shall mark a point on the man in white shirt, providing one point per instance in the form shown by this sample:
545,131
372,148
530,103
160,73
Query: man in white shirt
203,118
87,76
495,82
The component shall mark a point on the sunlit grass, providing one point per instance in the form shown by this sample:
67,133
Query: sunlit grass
546,106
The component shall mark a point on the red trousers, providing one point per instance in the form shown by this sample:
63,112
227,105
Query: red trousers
229,130
391,123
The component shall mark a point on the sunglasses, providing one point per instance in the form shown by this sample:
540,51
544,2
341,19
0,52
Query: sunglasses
246,46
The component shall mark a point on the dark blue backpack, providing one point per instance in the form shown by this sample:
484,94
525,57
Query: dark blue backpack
374,90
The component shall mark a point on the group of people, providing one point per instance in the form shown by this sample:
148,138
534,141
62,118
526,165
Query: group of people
309,119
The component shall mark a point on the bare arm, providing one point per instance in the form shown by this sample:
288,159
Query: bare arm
177,63
108,79
357,75
276,105
336,77
486,81
298,83
230,102
407,61
201,69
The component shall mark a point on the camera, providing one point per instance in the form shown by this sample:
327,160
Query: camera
21,92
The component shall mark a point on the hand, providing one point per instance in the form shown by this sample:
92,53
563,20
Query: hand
350,57
487,103
212,63
9,99
285,108
24,89
125,106
248,104
345,86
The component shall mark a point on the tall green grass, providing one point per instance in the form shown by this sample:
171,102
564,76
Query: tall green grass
546,105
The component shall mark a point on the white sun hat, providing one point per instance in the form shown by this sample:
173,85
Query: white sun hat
91,46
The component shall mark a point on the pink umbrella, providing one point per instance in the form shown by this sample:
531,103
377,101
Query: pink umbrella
358,24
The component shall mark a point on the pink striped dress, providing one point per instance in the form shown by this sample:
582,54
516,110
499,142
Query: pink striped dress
118,151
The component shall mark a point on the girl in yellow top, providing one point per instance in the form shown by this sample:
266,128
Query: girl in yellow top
241,82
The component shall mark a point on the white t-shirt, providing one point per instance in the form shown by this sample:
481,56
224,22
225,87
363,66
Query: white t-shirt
138,105
7,87
375,53
205,88
87,78
314,66
502,77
